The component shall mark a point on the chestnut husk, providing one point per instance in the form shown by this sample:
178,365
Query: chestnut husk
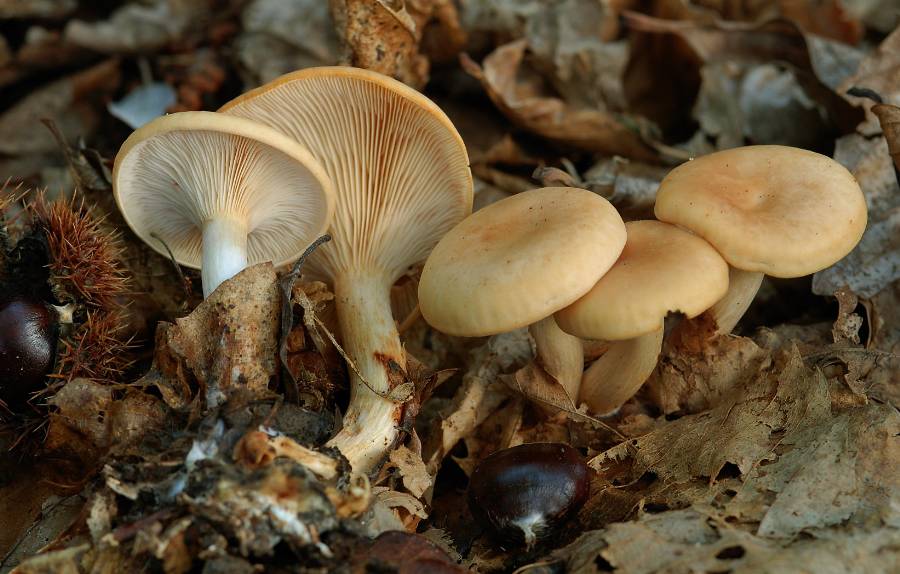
525,492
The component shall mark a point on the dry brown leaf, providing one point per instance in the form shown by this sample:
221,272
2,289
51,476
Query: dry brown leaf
480,394
412,470
80,424
819,65
228,343
688,541
279,37
404,553
67,101
384,35
737,431
889,118
879,71
689,382
524,98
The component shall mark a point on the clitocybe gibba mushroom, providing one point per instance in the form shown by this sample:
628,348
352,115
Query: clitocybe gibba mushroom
662,269
221,192
402,179
516,262
769,210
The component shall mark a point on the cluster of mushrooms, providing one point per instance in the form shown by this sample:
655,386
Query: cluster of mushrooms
382,169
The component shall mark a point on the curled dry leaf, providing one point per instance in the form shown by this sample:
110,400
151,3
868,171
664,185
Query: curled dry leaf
384,35
67,101
525,99
879,71
889,118
412,470
392,510
228,344
819,65
80,425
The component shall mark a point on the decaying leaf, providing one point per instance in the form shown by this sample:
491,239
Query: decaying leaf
820,65
879,71
257,449
524,98
412,469
689,382
139,27
227,344
66,101
479,395
384,35
80,425
280,37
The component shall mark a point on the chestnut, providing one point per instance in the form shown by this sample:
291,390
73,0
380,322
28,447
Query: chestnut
28,335
522,493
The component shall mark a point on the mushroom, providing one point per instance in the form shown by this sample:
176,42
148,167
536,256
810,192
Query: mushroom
662,269
769,210
221,193
517,261
402,180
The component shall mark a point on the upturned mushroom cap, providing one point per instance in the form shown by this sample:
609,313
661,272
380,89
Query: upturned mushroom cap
519,260
399,167
778,210
179,171
662,269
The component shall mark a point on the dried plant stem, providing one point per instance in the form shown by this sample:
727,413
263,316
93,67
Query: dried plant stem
372,342
619,373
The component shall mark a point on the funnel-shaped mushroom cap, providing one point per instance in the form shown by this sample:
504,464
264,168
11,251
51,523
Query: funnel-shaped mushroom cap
519,260
777,210
662,269
180,171
399,167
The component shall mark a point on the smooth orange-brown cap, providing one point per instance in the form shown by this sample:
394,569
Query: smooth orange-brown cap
662,269
778,210
519,260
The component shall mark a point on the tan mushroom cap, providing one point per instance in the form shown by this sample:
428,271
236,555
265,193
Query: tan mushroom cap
662,269
176,173
519,260
399,167
778,210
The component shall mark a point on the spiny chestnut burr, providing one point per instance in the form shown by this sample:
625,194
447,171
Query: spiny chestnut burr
28,335
524,492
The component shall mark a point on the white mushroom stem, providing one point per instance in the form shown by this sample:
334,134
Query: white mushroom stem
742,288
560,354
617,375
224,251
371,341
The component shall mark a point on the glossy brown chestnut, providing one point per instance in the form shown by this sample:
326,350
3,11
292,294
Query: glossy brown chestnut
524,492
28,333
